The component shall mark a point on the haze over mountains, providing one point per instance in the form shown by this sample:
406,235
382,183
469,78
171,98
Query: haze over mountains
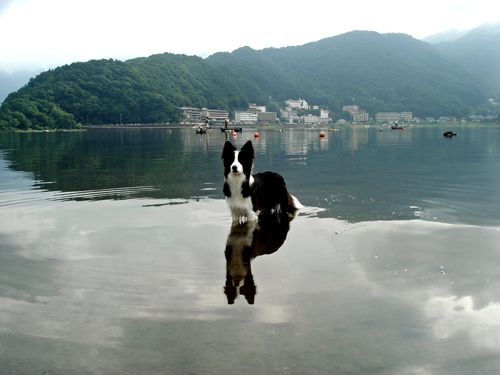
478,51
378,72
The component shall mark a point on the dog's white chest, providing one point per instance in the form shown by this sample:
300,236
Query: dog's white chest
241,207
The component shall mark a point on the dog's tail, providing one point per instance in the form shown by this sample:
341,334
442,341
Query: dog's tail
295,203
293,207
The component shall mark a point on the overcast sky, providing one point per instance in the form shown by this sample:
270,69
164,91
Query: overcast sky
42,34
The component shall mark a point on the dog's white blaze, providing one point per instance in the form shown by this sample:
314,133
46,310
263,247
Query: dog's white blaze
237,164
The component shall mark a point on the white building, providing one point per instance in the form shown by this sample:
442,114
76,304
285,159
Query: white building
387,117
245,117
309,119
301,103
324,113
252,107
197,115
360,117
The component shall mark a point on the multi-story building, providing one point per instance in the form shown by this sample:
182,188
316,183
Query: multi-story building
324,113
357,115
245,117
393,116
406,116
197,115
301,103
252,107
309,119
361,116
288,113
217,115
387,117
189,115
269,117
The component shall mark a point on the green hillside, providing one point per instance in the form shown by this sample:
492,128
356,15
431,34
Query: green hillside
378,72
143,90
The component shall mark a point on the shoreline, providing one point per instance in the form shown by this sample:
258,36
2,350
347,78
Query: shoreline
256,127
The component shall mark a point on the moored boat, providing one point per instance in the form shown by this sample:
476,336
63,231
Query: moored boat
223,129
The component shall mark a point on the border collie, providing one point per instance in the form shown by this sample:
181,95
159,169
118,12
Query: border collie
250,195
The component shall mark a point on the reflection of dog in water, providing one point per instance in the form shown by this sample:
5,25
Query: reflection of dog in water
245,243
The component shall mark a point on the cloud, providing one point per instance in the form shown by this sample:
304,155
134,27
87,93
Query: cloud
5,4
453,315
49,33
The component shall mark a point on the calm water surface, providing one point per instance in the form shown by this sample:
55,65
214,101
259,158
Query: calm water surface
113,255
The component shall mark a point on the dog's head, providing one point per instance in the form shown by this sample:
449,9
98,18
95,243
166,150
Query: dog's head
238,162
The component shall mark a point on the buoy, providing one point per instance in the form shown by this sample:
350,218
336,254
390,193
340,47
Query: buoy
234,134
322,134
256,135
381,129
329,130
404,129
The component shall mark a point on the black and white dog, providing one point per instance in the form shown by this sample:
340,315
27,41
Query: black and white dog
250,195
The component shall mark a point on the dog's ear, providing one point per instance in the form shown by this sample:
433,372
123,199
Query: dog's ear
248,150
228,149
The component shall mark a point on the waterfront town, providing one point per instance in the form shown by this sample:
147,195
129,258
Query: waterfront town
300,112
294,112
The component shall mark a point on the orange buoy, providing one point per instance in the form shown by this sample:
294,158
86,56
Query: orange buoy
329,130
404,129
322,134
256,135
234,134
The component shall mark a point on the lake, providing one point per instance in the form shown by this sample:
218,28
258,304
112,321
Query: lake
113,254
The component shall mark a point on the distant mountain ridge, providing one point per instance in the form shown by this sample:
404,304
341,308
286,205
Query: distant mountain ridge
478,51
378,72
445,36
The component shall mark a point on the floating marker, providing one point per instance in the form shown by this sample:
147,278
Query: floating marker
322,134
256,135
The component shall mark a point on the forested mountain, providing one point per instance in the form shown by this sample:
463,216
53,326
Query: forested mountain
142,90
378,72
479,53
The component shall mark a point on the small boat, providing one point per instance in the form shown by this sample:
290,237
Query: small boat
222,129
396,126
202,130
